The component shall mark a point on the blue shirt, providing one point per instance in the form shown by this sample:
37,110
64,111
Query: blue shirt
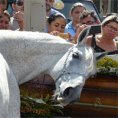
70,29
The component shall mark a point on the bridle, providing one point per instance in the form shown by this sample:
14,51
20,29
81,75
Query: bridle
65,71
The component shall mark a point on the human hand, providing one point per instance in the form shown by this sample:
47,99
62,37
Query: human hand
55,33
62,35
19,17
80,28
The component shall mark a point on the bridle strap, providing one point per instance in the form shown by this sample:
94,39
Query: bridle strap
65,72
64,67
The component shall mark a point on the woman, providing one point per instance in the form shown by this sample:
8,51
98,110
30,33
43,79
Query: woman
105,41
73,25
56,25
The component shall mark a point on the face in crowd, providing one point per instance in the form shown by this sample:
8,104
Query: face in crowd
76,10
56,22
49,4
88,18
109,26
5,20
110,29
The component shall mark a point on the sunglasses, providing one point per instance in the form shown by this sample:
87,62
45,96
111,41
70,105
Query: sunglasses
20,3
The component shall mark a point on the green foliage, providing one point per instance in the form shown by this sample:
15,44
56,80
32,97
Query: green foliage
33,107
107,62
107,66
43,107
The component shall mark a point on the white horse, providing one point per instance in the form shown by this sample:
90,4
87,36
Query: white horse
30,53
9,92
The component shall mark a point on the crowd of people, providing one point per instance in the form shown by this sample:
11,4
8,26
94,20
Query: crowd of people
14,21
80,18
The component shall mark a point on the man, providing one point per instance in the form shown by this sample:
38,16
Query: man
49,8
88,18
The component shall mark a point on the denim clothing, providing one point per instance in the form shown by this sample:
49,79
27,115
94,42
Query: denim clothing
70,29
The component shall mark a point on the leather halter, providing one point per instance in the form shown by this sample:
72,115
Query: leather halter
64,71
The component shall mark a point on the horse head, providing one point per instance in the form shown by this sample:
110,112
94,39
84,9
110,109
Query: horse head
78,64
71,72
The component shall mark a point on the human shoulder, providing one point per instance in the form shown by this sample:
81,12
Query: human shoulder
69,25
70,29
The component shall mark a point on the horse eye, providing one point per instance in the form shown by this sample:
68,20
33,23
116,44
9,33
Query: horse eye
76,55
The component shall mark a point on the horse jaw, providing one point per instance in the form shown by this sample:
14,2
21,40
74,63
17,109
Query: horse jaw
69,90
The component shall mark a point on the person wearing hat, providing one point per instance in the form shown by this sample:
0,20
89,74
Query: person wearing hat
17,19
105,41
51,4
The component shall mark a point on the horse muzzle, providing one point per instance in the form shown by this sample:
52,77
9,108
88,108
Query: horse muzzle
70,90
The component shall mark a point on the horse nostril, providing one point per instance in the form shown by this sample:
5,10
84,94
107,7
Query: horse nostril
67,91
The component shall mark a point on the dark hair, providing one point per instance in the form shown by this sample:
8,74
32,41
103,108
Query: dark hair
86,13
19,2
75,5
53,17
110,18
109,14
6,13
2,1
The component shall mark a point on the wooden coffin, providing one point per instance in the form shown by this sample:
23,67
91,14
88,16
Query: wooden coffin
99,97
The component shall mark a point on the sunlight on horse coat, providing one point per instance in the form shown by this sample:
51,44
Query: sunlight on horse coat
30,53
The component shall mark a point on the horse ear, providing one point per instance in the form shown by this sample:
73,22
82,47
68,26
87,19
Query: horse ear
90,30
83,35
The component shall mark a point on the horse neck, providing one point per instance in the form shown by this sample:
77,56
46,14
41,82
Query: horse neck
91,66
28,56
